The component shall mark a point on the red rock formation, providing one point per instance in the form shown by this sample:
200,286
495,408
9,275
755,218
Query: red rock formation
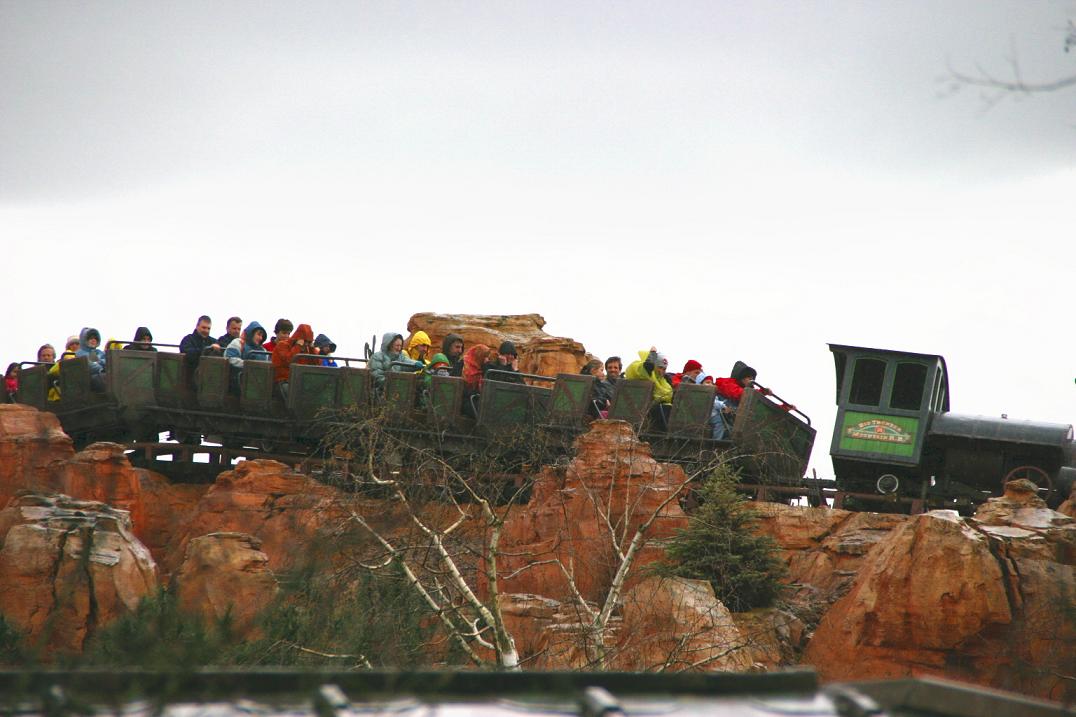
611,487
678,624
539,353
101,472
824,548
988,600
68,567
288,512
225,574
31,444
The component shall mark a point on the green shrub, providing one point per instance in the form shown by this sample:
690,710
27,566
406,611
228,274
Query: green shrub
316,621
720,545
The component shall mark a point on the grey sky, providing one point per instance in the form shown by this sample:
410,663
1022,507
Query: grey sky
725,179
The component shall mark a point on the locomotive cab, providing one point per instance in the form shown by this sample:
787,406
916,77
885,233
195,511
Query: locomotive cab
885,402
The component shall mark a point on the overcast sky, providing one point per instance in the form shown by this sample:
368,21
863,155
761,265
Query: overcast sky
725,180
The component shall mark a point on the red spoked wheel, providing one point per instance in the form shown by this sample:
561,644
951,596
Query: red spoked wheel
1034,474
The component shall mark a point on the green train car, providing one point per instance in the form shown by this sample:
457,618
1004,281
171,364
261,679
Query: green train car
148,393
895,439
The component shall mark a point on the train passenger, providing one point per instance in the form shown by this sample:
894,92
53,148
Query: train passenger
287,352
54,371
505,362
692,370
602,395
46,354
72,344
439,366
234,331
89,340
651,366
143,338
474,361
281,331
199,342
613,367
391,353
418,348
718,413
246,347
11,382
325,347
452,348
743,377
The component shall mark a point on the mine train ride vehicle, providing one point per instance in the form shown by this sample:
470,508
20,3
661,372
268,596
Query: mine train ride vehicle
894,435
894,443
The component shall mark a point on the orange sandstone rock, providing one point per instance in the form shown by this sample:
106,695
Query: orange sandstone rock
824,548
287,511
68,567
225,574
31,444
987,600
539,353
574,516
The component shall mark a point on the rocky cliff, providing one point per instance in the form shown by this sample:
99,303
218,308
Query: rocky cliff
988,599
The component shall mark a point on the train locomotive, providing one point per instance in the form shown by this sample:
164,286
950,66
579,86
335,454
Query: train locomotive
895,439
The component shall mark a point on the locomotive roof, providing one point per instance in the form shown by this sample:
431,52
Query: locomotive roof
928,358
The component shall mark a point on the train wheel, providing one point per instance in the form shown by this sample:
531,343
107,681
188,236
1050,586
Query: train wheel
1034,474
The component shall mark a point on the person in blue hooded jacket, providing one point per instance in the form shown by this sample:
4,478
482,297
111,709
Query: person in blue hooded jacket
325,347
89,341
247,347
391,352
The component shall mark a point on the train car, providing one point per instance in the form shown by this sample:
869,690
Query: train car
895,439
147,393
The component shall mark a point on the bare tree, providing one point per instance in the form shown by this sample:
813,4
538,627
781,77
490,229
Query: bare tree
1012,83
457,505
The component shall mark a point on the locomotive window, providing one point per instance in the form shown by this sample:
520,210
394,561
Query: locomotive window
908,386
867,382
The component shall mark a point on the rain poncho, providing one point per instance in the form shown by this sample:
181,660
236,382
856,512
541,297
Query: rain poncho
663,392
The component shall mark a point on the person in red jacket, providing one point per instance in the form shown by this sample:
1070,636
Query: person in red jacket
731,389
300,342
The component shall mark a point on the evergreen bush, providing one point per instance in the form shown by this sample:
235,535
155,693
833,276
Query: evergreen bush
721,545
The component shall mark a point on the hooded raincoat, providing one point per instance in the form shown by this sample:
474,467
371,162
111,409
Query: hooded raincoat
381,362
456,362
95,355
321,343
421,338
245,348
474,362
287,349
644,369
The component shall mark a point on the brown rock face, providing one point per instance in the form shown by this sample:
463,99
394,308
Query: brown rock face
1069,506
987,600
824,548
101,472
285,510
608,490
225,574
539,353
31,443
68,567
679,624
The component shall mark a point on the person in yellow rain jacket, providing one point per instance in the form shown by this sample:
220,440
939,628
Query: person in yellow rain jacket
418,348
651,367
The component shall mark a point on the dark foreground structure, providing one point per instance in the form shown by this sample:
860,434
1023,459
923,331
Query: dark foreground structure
326,694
